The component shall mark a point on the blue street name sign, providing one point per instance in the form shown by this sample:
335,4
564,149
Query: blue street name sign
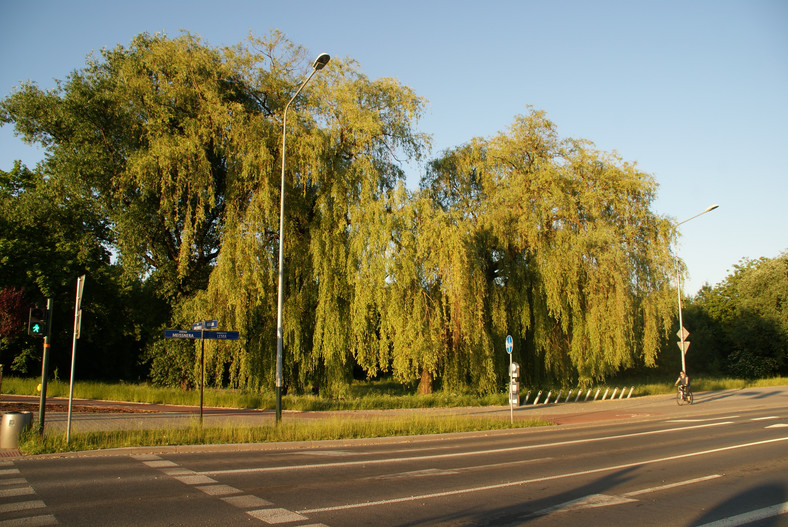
211,324
221,335
178,334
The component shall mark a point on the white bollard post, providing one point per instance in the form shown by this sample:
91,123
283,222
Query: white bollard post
630,392
622,392
557,397
527,395
597,393
579,393
588,394
569,395
538,395
547,399
606,390
614,394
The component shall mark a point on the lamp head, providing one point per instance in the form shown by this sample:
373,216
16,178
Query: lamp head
321,61
711,208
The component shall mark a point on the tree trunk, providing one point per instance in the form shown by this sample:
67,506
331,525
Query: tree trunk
425,386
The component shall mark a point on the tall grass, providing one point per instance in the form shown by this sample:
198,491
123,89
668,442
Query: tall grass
362,395
291,430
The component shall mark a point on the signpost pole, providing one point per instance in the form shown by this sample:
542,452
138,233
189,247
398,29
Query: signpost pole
77,328
509,349
202,365
42,407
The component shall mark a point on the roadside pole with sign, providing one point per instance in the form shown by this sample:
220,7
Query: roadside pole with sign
42,404
199,332
77,329
513,375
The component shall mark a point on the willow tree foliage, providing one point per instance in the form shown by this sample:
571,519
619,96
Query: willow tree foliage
548,240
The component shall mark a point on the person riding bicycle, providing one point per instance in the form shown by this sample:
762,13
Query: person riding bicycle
683,381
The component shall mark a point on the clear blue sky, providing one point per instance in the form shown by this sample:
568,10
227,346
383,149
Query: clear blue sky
695,92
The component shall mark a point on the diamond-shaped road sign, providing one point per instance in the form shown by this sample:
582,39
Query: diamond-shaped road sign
682,330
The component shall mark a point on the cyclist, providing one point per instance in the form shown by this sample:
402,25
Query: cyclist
684,382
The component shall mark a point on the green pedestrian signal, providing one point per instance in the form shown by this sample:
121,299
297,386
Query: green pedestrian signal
37,323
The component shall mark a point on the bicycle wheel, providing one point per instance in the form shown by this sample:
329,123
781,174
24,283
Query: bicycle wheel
679,397
689,396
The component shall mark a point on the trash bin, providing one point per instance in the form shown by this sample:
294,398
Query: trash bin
12,425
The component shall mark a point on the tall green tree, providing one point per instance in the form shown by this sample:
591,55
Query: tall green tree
554,242
740,325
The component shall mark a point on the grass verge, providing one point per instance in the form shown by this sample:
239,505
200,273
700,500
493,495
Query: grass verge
313,430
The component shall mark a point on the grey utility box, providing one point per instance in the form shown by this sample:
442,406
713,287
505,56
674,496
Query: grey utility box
12,425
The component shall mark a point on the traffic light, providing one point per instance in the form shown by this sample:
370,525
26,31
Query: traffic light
37,323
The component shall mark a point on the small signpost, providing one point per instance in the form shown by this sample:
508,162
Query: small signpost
198,331
514,375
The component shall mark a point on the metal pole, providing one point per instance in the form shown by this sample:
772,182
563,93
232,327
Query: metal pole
321,61
202,365
44,367
678,285
511,390
77,327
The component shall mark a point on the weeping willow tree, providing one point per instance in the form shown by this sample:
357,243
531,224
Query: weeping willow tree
346,134
548,240
179,145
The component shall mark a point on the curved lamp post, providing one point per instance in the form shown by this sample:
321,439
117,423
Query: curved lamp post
682,334
317,65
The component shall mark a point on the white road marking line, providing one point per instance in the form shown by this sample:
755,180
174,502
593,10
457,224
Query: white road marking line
274,516
246,501
456,454
586,502
9,471
538,480
160,463
196,479
749,517
764,418
457,470
22,506
606,500
670,486
780,425
31,521
698,420
218,490
145,457
21,491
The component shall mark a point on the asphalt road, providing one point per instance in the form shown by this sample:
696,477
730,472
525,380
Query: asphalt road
722,461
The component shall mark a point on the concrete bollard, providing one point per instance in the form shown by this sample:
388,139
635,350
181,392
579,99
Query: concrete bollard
558,397
630,392
568,395
614,394
538,395
547,399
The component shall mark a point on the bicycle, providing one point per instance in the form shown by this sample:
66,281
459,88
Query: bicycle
684,395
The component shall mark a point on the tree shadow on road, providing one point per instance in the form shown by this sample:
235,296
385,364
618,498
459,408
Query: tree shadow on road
758,499
524,512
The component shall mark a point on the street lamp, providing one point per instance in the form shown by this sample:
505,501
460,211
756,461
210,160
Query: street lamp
682,333
317,65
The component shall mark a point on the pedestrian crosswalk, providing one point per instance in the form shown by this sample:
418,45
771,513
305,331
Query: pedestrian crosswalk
19,504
